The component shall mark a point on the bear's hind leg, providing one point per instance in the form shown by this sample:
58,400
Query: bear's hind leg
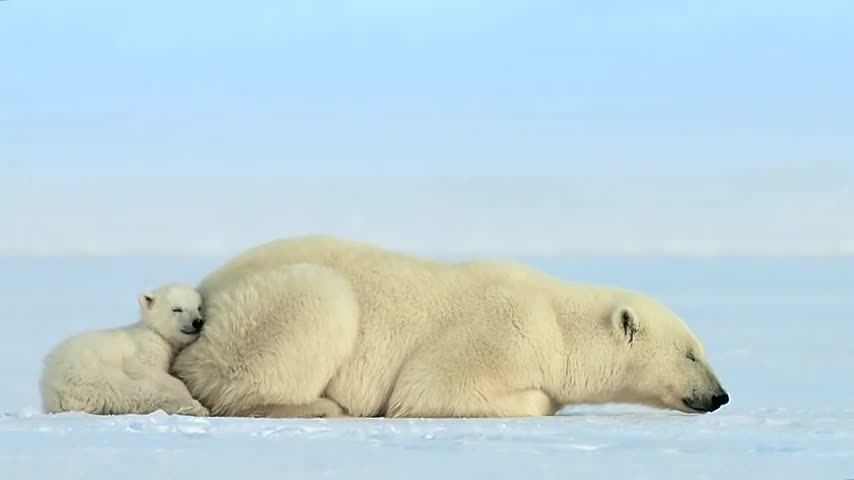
120,395
272,342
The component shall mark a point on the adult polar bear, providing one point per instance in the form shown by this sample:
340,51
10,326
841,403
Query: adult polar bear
323,326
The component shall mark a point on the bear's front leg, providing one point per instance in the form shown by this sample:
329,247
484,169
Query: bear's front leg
456,401
524,403
176,398
177,404
320,408
441,384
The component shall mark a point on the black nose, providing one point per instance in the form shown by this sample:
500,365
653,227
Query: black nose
198,323
719,400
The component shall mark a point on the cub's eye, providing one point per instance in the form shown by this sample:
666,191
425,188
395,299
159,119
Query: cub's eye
177,310
691,357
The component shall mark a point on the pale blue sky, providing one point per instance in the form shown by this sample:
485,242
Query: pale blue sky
474,126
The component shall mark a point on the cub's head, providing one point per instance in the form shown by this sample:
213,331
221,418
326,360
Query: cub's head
173,311
664,362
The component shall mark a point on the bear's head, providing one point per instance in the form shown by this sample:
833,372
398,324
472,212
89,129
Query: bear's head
664,363
174,311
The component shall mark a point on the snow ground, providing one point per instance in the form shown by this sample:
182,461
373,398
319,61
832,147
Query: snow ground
778,331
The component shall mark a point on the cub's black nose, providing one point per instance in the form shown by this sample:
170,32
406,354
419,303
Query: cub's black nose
198,323
719,400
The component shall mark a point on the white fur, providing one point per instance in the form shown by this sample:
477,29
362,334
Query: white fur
320,326
125,370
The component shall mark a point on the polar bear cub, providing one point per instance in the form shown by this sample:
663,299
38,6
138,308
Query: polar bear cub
125,370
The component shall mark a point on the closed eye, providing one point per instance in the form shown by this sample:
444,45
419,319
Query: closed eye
177,310
691,357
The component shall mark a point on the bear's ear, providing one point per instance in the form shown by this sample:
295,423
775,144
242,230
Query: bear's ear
146,300
625,321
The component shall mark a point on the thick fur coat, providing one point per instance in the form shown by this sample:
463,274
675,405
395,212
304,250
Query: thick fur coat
323,326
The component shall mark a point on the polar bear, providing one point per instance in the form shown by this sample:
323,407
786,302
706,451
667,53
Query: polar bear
321,326
125,370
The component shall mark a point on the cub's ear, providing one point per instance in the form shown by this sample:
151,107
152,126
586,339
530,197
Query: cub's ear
146,300
626,323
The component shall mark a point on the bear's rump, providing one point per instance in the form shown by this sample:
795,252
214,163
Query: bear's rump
277,336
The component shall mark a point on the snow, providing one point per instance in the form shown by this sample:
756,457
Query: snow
777,330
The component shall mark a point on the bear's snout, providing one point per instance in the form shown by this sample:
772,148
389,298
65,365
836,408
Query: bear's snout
198,323
709,403
719,400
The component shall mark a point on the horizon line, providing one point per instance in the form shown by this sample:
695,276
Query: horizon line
201,253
